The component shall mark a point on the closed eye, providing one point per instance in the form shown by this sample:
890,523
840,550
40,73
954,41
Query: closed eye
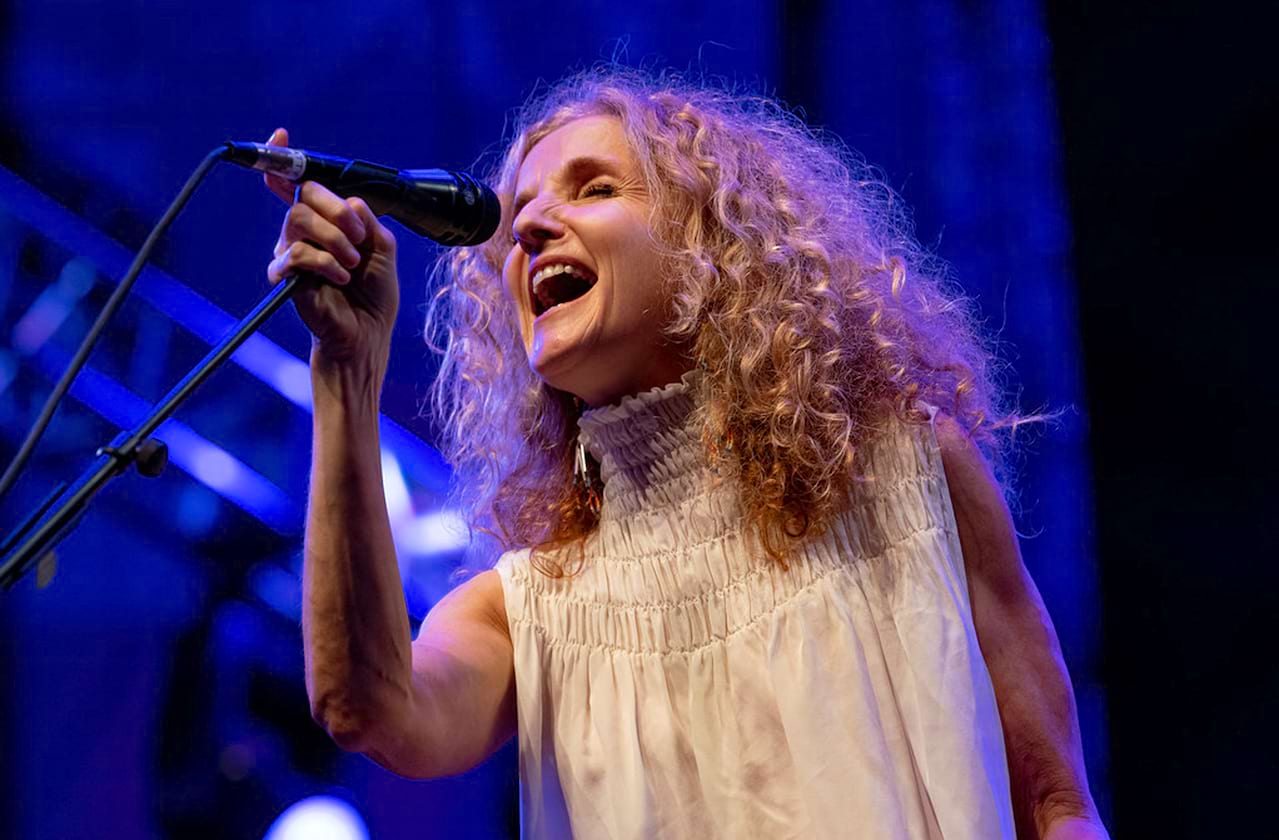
599,189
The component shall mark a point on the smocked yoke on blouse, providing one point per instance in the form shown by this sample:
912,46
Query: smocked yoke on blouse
684,685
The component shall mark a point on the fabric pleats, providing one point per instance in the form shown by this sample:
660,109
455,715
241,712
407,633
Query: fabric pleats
683,684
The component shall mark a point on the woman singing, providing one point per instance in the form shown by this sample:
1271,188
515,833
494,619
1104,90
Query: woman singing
735,437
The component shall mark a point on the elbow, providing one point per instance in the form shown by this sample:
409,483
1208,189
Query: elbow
1074,807
349,726
354,710
358,728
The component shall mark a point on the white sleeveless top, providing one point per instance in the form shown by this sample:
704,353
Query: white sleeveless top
684,685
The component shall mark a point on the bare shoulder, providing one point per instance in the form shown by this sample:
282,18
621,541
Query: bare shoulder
464,682
986,529
477,601
960,454
972,481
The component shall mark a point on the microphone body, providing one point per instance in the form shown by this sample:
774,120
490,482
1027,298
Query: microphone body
451,208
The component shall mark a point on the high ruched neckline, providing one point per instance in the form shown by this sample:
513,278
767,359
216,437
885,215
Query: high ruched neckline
646,446
679,682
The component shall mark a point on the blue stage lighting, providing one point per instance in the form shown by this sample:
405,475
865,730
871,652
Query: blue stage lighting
318,818
281,370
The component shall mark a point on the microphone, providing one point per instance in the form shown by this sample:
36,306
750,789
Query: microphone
451,208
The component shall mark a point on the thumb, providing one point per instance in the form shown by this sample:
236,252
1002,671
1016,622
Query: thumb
282,188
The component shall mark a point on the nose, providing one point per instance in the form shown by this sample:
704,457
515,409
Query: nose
535,225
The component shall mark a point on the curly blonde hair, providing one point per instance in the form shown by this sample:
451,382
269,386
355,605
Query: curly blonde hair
810,309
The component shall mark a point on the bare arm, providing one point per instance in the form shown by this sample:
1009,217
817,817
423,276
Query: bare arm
1036,702
428,708
354,625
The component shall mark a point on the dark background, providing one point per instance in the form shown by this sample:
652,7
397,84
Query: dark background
1098,176
1168,117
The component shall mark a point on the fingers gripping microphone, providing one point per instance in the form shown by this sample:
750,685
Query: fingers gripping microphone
451,208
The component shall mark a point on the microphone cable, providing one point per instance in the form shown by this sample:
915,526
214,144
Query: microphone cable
452,208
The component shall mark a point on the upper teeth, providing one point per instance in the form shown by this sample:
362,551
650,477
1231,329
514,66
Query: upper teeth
552,270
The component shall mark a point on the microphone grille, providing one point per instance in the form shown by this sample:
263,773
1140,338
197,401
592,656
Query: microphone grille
486,210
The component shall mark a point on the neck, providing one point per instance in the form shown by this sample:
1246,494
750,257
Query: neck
646,446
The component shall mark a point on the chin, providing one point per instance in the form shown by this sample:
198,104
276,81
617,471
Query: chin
581,384
571,373
566,354
601,383
599,366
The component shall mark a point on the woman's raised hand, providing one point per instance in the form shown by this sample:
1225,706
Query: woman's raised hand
352,294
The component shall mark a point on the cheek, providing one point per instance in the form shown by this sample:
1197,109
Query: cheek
645,270
513,275
516,301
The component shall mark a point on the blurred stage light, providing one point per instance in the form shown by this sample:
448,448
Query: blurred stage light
399,505
205,461
54,305
428,534
433,533
318,818
278,588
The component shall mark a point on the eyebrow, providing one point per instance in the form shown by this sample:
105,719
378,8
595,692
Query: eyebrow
573,170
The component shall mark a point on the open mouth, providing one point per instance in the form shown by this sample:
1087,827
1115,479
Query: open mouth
559,283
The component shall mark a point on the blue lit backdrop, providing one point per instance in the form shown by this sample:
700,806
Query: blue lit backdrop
158,683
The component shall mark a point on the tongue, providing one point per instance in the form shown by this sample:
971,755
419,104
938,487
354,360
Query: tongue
561,288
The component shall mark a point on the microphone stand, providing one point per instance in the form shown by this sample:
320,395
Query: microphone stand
35,538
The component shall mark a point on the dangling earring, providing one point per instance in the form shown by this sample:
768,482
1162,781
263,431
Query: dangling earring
720,453
581,467
582,477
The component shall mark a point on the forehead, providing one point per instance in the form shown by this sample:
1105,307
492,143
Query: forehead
586,137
